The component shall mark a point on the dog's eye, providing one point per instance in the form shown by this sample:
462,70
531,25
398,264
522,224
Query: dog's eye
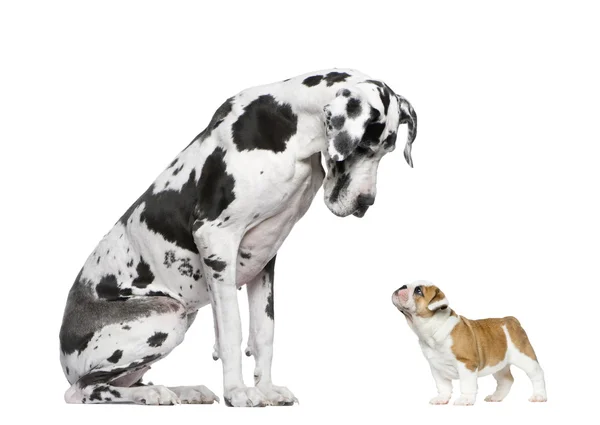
418,291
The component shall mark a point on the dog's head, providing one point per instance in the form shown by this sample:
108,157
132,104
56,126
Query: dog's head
361,126
420,300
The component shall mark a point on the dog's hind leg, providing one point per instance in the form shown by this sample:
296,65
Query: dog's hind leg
505,380
120,347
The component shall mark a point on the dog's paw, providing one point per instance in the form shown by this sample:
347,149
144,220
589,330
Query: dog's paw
439,400
464,401
195,395
492,398
278,396
538,398
154,395
245,397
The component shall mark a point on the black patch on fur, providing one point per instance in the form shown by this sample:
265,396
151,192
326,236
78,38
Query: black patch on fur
157,339
346,93
270,273
245,255
177,170
74,341
216,275
126,327
108,289
104,377
343,143
171,213
385,93
372,133
145,276
218,117
116,356
335,77
341,184
338,121
168,213
157,294
265,124
69,343
196,225
216,265
312,81
353,107
390,140
215,187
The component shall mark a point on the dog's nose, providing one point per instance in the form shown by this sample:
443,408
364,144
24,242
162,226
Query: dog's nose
365,200
402,293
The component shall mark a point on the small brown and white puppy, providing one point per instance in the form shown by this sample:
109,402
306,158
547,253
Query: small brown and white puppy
459,348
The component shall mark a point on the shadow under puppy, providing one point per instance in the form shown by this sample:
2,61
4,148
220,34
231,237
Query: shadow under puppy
459,348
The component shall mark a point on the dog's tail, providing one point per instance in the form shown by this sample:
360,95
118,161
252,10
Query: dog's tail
408,116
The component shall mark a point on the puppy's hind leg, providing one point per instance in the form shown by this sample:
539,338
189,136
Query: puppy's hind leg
504,381
521,354
534,371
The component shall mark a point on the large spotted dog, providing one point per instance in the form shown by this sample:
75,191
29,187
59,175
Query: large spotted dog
213,222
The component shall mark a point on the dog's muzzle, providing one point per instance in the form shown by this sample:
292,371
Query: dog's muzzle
363,202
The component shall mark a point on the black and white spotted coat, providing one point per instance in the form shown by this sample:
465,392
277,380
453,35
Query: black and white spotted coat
213,222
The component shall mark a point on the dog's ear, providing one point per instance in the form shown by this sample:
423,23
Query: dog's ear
346,119
408,116
438,302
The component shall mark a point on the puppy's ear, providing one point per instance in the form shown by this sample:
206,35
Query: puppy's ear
346,118
438,302
408,116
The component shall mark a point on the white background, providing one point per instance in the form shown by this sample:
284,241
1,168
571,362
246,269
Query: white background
501,209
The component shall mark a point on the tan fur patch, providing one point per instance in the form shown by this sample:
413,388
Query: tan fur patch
479,343
431,294
519,337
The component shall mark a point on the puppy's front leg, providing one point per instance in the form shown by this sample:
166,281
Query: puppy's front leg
444,388
218,249
468,386
260,338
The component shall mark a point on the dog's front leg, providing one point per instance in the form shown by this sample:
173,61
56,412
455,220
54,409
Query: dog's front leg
218,249
260,338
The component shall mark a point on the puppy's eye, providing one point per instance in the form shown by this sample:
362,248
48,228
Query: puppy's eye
418,291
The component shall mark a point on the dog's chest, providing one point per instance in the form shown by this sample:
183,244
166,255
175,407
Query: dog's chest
441,358
263,241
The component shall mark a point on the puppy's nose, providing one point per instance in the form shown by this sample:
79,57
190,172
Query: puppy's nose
402,293
365,200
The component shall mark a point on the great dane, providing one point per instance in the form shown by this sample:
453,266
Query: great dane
211,223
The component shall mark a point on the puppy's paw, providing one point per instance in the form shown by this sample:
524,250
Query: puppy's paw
439,400
494,398
464,400
538,398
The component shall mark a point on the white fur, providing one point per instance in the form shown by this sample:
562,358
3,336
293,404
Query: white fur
436,342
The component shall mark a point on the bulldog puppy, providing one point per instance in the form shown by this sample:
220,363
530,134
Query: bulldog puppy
459,348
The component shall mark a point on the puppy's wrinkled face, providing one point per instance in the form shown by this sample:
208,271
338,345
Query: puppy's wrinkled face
419,299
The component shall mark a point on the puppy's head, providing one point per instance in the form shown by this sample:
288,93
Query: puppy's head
419,300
